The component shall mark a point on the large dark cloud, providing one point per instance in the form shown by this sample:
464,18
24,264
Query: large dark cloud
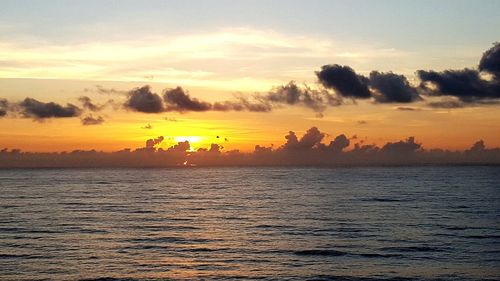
391,87
344,81
143,100
490,61
32,108
466,84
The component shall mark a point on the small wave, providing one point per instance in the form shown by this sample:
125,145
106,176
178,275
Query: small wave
412,249
485,236
382,199
329,253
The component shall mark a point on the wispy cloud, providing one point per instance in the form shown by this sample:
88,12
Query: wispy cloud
228,58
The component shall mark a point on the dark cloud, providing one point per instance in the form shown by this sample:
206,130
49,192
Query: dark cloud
292,94
32,108
311,139
88,104
181,146
339,143
143,100
150,143
178,100
344,81
466,84
4,104
401,147
307,151
490,61
391,87
91,120
147,127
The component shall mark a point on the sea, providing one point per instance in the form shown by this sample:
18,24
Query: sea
251,223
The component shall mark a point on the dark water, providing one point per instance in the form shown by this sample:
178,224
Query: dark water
414,223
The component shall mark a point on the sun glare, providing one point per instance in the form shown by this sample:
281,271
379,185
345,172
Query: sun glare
190,139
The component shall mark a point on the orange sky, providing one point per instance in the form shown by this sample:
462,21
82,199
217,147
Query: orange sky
373,123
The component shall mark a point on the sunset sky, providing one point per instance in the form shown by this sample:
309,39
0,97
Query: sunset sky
239,53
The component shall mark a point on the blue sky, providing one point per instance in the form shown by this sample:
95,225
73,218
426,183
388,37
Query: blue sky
401,24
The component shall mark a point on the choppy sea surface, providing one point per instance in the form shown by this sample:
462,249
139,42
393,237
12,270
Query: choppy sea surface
405,223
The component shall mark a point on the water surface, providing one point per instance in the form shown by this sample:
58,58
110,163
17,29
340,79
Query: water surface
413,223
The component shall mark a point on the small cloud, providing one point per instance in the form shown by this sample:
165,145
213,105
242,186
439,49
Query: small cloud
408,108
32,108
90,120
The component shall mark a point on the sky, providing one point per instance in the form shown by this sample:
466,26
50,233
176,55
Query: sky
109,75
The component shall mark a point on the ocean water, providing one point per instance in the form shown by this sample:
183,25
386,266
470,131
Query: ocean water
405,223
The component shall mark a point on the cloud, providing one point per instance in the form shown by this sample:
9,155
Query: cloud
408,108
32,108
150,143
309,151
4,104
292,94
178,100
147,127
390,87
448,103
490,61
91,120
344,81
465,84
88,104
311,138
401,148
143,100
339,143
181,146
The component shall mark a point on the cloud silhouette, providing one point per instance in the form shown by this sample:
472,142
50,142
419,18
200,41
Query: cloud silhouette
150,143
178,100
143,100
490,61
4,104
308,150
292,94
391,87
467,84
344,81
91,120
32,108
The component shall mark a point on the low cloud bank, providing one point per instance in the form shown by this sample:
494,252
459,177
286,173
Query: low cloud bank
307,150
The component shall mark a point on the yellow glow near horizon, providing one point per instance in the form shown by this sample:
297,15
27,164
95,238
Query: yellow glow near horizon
190,139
